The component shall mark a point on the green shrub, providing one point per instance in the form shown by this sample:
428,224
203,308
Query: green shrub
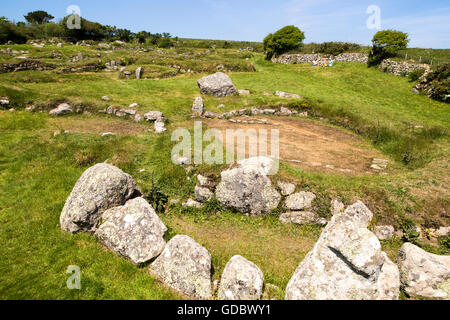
282,41
336,48
416,74
385,44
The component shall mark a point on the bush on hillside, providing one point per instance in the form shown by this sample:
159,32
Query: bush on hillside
416,74
336,48
282,41
385,44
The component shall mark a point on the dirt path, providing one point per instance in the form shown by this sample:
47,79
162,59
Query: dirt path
309,144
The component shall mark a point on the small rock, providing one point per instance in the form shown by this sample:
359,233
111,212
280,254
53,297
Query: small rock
210,115
159,127
203,181
198,108
302,218
107,134
61,110
203,194
299,201
106,98
244,92
153,116
286,188
337,207
287,95
192,204
384,232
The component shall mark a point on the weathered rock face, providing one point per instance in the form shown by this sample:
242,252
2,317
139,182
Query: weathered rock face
423,274
286,188
241,280
198,108
184,265
99,188
287,95
134,231
218,85
61,110
384,232
301,218
346,263
203,194
299,201
248,189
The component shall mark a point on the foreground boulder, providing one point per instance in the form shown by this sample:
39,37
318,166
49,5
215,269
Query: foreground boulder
99,188
346,263
185,266
247,188
423,274
134,231
241,280
218,85
61,110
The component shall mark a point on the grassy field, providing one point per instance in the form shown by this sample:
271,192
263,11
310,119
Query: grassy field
38,170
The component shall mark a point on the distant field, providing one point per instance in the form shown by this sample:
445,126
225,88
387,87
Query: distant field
428,56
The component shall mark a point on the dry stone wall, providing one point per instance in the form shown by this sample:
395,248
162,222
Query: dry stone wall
402,68
309,58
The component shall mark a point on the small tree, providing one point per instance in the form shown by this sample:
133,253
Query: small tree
38,17
282,41
385,44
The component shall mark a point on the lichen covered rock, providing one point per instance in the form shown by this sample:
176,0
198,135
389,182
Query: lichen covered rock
241,280
185,266
134,231
99,188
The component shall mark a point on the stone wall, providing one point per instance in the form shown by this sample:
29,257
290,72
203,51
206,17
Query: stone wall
309,58
25,65
402,68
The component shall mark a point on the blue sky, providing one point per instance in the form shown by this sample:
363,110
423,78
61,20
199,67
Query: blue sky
427,22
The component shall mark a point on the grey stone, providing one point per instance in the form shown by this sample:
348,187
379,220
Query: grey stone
218,84
423,274
241,280
287,95
346,263
198,108
139,73
299,201
302,218
286,188
337,207
99,188
244,92
61,110
134,231
203,194
184,265
159,127
191,204
247,188
153,116
384,232
210,114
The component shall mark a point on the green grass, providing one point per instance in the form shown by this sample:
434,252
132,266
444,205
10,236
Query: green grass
38,170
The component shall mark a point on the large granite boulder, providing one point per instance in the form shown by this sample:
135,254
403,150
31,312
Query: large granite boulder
247,188
134,231
218,84
185,266
99,188
423,274
241,280
346,263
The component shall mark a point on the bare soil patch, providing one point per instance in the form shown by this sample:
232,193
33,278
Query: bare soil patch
309,144
98,125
